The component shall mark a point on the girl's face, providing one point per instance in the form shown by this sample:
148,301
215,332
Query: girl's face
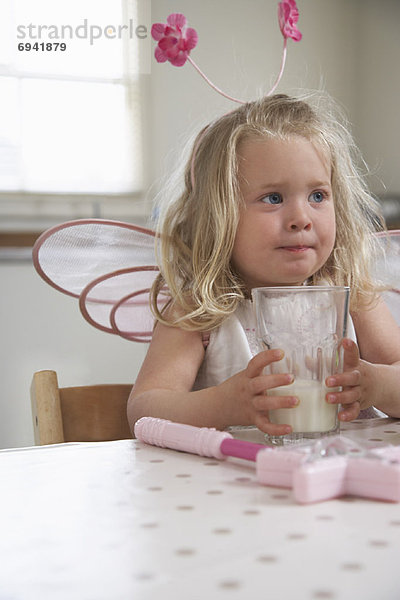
286,229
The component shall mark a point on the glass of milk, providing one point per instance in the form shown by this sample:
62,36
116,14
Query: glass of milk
308,324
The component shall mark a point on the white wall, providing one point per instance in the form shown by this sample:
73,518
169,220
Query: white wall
350,47
378,91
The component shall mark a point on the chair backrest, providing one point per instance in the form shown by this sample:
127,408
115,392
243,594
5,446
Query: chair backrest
78,414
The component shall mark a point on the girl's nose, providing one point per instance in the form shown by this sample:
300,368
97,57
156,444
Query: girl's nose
299,219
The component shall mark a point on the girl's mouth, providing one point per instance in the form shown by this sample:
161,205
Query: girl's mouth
295,248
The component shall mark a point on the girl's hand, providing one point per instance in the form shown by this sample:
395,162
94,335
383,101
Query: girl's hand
249,389
351,396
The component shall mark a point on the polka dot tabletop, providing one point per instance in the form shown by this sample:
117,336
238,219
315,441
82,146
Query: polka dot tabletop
128,520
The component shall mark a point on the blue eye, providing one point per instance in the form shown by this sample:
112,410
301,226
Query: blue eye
317,197
272,199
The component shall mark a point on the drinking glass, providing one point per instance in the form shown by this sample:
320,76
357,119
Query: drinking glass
308,324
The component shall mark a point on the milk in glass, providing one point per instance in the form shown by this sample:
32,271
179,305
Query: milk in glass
312,414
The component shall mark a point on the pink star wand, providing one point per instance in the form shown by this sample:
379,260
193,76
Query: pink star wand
329,468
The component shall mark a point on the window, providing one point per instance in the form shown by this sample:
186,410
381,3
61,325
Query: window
71,111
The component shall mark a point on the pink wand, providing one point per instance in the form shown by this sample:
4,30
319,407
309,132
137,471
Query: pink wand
329,468
196,440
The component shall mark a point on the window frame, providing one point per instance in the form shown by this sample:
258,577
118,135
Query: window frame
24,215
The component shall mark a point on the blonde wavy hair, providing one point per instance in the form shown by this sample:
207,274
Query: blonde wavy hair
197,229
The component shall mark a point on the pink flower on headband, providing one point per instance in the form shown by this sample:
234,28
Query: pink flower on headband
175,40
288,16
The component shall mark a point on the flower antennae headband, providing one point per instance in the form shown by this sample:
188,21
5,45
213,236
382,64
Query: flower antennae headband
176,40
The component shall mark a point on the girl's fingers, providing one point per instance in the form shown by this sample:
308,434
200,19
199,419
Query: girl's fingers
264,425
346,397
265,403
350,413
351,357
261,360
260,384
347,379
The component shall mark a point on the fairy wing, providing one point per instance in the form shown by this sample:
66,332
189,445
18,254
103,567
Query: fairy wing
387,270
109,266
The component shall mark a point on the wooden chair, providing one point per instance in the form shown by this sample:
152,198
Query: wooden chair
85,414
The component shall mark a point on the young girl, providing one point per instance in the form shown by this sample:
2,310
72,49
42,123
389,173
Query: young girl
272,197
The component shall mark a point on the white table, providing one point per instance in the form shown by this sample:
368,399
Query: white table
123,521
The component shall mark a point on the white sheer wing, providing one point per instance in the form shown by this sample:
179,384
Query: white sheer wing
109,266
387,270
